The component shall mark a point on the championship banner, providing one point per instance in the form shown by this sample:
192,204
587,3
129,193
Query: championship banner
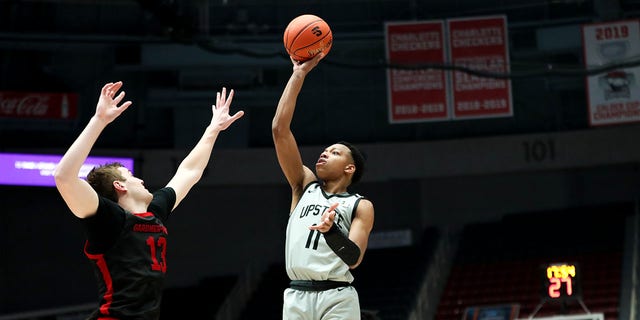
38,105
612,97
479,43
416,95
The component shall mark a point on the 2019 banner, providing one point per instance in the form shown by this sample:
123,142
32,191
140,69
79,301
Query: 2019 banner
614,96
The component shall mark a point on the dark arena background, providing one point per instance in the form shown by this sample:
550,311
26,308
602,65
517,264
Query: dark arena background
501,141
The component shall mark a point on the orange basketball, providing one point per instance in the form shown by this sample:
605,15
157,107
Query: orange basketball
306,36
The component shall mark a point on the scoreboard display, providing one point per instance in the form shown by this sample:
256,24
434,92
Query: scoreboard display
561,281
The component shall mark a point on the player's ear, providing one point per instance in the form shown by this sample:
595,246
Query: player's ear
350,168
119,186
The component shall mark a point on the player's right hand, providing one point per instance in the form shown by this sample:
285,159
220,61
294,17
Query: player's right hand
107,108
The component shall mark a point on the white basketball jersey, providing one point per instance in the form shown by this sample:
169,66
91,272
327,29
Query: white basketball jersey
307,255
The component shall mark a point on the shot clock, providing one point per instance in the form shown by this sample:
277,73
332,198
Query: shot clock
561,282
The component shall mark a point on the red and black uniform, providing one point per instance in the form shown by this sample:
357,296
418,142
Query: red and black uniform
128,251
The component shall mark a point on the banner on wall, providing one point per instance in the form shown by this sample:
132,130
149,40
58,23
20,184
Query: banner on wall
612,97
38,105
22,169
416,95
479,43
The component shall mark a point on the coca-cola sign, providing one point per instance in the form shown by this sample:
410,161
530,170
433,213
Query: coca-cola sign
40,105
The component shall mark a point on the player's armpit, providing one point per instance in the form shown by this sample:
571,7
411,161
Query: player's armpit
346,249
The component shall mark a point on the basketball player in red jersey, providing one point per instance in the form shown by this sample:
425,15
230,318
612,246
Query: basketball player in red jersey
124,222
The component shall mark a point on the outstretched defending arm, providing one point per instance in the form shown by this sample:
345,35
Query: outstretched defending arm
191,168
81,199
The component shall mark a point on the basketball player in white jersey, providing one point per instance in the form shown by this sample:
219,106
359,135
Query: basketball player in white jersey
328,227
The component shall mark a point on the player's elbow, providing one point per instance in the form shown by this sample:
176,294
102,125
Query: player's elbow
278,128
351,256
192,176
356,264
61,179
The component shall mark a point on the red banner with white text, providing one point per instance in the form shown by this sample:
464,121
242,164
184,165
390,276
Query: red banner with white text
38,105
481,44
416,94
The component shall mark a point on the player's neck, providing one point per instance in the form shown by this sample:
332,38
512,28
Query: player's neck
334,187
131,205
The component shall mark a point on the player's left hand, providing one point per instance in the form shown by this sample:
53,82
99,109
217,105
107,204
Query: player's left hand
221,119
326,221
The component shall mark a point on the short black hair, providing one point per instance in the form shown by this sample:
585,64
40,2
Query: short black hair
358,159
